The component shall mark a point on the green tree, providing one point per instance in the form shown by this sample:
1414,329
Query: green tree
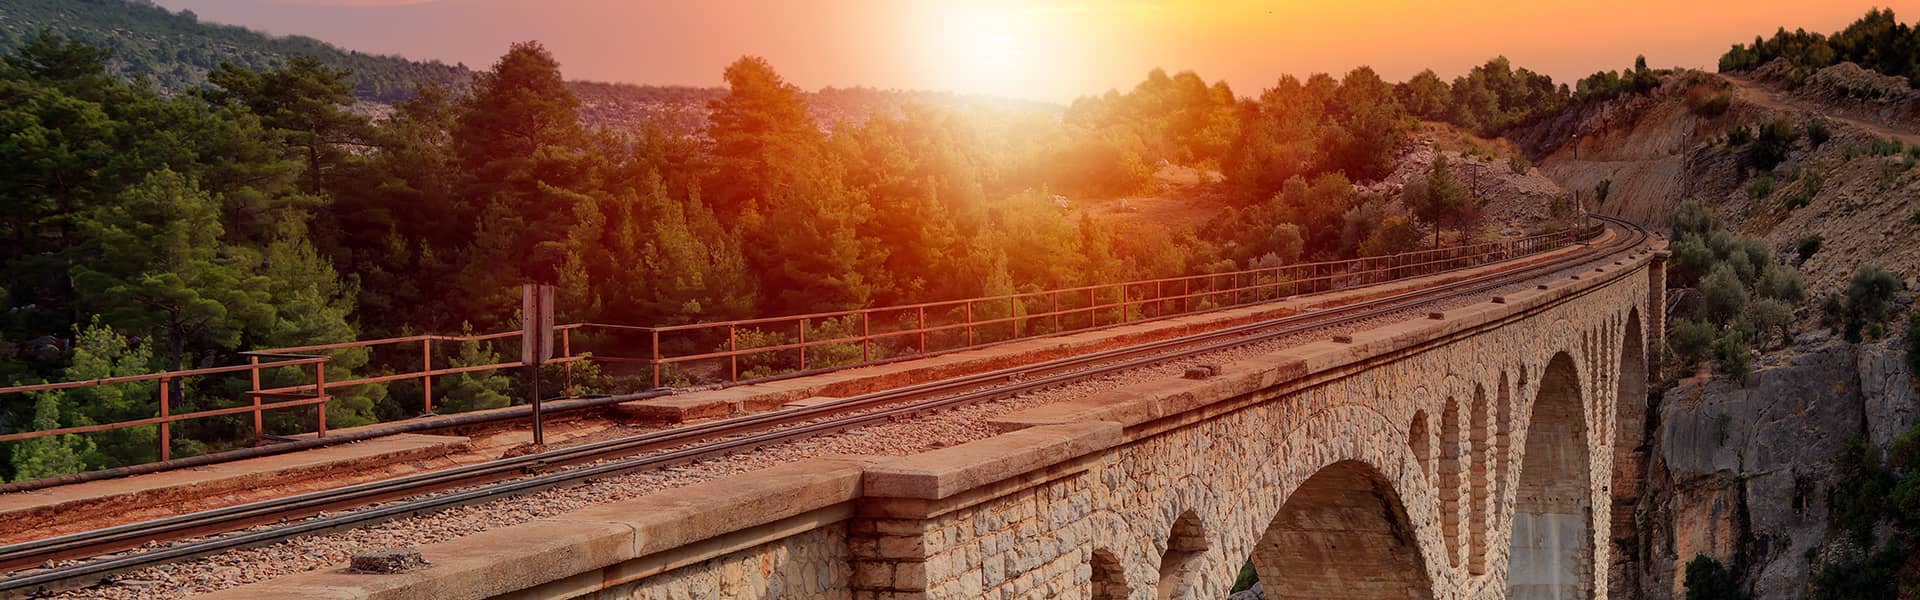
308,103
473,390
1439,199
160,268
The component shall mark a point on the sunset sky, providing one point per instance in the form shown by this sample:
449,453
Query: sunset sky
1050,50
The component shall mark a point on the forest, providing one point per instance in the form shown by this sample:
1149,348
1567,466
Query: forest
1877,41
151,230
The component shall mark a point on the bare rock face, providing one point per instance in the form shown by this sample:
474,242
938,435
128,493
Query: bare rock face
1743,473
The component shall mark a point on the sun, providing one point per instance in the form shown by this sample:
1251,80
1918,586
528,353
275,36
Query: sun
983,51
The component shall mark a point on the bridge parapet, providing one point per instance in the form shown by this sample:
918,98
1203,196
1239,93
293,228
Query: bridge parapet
1397,462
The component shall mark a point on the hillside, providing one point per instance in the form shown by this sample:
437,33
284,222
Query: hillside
1855,189
176,50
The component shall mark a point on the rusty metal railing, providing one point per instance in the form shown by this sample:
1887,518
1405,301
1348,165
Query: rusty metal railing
883,333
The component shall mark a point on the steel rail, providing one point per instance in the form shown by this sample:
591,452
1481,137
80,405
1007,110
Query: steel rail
679,445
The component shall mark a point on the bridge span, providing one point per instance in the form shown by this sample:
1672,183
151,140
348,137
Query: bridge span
1470,454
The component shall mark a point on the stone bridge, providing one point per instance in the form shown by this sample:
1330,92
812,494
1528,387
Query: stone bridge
1470,454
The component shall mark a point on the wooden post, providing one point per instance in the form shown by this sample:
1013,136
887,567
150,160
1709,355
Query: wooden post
320,391
566,351
969,323
426,376
259,434
923,330
166,427
803,344
866,335
656,358
733,347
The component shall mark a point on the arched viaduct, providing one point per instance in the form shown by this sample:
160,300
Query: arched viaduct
1465,455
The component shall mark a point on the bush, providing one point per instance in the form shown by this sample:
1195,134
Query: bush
1691,340
1768,314
1808,246
1600,191
1735,358
1770,146
1760,186
1818,132
1394,235
1709,105
1872,287
1722,296
1913,343
1707,579
1783,284
1739,136
1519,165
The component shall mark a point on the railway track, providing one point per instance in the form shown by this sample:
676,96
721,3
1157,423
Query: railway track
222,529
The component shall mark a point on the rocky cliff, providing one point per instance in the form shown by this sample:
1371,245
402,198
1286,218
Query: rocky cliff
1742,473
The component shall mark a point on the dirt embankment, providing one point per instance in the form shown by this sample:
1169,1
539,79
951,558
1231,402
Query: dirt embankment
1854,191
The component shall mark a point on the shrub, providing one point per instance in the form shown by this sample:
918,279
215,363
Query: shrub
1394,235
1768,314
1723,297
1735,358
1691,340
1519,165
1739,136
1770,146
1818,132
1600,191
1913,343
1808,246
1781,283
1760,186
1869,291
1915,217
1709,105
1707,579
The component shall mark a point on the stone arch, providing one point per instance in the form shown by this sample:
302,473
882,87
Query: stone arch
1452,459
1480,503
1343,534
1503,445
1186,545
1108,579
1552,549
1629,450
1420,441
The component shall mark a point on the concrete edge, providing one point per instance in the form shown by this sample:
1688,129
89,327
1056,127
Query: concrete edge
949,471
544,551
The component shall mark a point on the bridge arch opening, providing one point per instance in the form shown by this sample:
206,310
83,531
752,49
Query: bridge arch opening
1343,535
1420,441
1108,580
1479,488
1629,451
1553,512
1186,543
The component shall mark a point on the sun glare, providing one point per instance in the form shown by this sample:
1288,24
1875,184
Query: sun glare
981,50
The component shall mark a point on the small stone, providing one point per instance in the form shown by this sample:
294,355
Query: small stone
1200,372
389,561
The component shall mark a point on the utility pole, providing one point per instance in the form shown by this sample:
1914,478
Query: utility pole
536,344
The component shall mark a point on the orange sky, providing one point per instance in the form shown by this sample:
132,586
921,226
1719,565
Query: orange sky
1044,49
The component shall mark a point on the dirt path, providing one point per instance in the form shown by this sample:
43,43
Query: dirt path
1751,91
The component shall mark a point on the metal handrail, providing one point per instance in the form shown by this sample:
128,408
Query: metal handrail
1195,293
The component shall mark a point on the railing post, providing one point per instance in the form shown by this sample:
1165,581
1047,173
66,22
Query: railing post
320,391
969,323
1159,299
259,433
166,427
656,358
1186,291
866,335
923,329
803,344
1093,314
1053,299
426,376
1013,310
733,356
566,350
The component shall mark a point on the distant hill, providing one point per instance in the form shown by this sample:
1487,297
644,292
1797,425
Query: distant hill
176,50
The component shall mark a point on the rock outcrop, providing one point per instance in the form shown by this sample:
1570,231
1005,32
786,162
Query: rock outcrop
1742,473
